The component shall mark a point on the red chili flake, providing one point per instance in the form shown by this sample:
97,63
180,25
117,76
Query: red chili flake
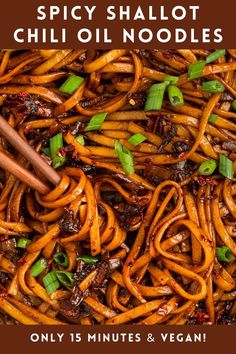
3,294
4,238
201,180
211,181
182,155
75,155
206,180
201,316
21,261
24,95
27,130
61,152
50,260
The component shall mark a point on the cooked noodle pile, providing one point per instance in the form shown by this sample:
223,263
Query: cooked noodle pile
137,231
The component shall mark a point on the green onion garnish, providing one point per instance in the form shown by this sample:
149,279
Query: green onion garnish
52,287
61,259
88,259
155,97
213,118
23,243
56,143
213,86
234,104
171,79
226,167
46,151
175,96
125,157
215,55
51,282
207,167
65,278
136,139
39,267
80,139
224,254
96,121
71,84
196,69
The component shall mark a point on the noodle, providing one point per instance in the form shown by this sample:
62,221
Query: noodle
138,247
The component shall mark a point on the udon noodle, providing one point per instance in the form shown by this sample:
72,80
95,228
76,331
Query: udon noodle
152,244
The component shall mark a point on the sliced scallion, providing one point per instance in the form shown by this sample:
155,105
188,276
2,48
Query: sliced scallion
215,55
88,259
56,143
224,254
96,121
65,278
23,242
226,167
234,104
175,96
213,118
171,79
196,69
125,157
136,139
155,97
61,259
39,267
51,282
71,84
80,139
46,151
52,287
207,167
214,86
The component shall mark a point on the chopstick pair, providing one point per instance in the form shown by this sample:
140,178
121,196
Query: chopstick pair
31,155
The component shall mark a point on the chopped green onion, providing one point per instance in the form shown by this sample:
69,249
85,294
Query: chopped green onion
213,86
226,167
196,69
23,242
65,278
39,267
88,259
49,278
155,97
125,157
46,151
61,259
213,118
224,254
56,143
136,139
215,55
96,121
51,282
171,79
80,139
234,104
175,96
207,167
52,287
71,84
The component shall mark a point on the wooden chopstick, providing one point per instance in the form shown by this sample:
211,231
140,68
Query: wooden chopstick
22,174
28,152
